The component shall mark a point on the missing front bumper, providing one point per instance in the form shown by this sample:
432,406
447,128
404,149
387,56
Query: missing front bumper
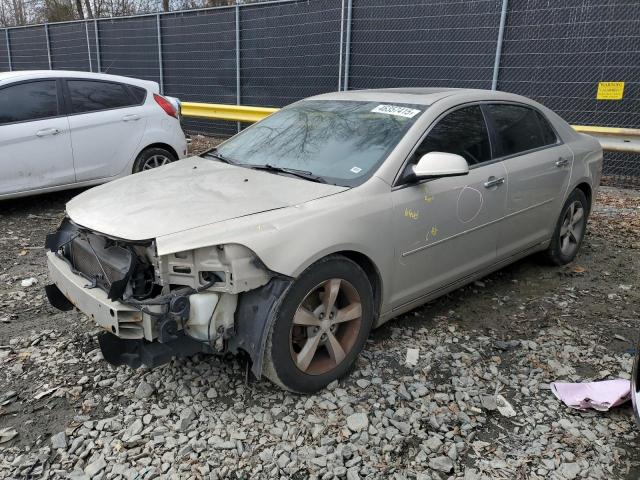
138,353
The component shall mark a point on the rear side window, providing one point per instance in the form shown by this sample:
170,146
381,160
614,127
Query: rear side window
90,96
28,101
519,129
138,93
462,132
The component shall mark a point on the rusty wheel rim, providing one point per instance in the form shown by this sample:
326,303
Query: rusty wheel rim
325,326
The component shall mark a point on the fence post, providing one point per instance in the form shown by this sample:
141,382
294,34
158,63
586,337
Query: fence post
46,33
95,27
160,67
347,52
341,45
496,63
86,30
6,33
238,93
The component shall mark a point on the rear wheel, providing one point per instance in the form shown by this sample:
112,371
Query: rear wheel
153,158
570,229
321,326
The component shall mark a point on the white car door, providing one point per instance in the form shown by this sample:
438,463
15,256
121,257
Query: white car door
35,145
107,122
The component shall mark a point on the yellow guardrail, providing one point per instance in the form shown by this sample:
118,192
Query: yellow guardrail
611,138
218,111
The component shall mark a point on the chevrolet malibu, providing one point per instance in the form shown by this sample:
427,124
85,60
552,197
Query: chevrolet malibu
296,237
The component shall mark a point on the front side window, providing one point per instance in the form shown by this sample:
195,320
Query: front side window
90,96
343,142
520,128
462,132
28,101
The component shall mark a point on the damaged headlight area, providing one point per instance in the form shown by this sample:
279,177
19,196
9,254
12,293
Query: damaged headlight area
153,307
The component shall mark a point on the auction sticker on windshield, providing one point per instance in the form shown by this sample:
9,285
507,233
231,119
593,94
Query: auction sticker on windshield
396,110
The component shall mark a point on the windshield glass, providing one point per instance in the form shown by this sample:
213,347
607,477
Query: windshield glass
343,142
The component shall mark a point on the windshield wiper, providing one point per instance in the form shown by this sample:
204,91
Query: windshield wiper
291,171
215,154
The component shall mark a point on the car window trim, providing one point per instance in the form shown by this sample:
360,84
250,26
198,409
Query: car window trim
59,95
67,95
492,139
489,120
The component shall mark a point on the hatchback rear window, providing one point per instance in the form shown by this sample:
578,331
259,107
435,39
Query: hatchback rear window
91,96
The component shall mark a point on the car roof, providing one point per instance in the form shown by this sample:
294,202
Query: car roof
419,96
34,74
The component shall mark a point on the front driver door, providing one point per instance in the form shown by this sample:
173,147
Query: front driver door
35,146
447,228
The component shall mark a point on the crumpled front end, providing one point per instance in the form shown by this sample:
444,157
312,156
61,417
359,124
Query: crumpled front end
151,307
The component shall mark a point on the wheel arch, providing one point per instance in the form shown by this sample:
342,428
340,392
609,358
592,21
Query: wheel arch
372,272
585,188
166,146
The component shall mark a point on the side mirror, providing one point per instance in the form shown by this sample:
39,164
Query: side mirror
440,164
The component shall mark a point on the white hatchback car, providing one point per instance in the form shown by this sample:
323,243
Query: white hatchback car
63,129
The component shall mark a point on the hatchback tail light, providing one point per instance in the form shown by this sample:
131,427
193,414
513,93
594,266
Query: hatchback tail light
166,105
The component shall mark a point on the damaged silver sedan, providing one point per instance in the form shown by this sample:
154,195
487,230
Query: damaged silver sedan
296,237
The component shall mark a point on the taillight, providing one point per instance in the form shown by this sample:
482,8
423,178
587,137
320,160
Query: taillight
166,105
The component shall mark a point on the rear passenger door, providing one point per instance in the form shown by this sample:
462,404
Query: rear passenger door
107,124
538,168
35,146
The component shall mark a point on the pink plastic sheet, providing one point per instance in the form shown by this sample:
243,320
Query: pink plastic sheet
600,396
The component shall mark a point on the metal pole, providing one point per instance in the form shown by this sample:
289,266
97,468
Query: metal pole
46,32
496,63
86,29
6,32
347,51
238,94
341,45
95,27
160,69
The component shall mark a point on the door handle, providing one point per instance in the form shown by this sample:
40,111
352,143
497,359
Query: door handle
562,162
131,118
493,182
47,131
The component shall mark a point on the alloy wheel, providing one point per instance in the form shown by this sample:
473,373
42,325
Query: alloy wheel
155,161
325,326
572,228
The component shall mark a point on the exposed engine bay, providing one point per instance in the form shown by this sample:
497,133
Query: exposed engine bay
158,306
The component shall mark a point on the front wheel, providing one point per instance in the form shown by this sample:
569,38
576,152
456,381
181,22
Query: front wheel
153,158
320,327
570,229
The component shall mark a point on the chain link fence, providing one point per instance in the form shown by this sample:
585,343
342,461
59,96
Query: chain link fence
274,53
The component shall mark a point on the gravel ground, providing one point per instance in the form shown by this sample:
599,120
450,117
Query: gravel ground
505,337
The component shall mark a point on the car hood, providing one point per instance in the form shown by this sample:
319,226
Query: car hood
187,194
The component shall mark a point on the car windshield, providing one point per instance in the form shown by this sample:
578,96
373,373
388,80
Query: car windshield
339,142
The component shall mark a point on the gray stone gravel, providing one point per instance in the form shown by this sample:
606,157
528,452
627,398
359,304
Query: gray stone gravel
507,336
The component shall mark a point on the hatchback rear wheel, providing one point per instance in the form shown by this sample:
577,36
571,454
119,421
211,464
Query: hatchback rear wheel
153,158
321,325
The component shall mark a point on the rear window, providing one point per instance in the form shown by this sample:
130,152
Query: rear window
519,128
28,101
92,96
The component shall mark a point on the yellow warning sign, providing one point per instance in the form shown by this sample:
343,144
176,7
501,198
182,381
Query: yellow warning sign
610,90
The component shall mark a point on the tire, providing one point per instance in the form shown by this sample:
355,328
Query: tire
152,158
570,230
337,341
